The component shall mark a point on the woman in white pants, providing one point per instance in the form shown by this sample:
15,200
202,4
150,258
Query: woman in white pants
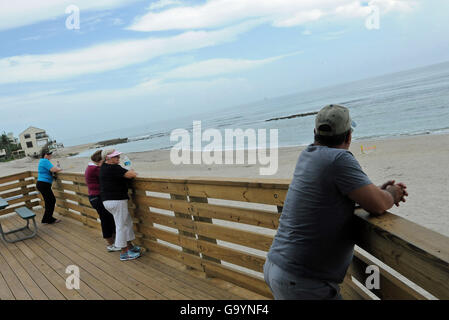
114,193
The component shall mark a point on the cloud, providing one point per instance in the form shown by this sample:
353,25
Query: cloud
110,56
213,68
163,3
19,13
280,13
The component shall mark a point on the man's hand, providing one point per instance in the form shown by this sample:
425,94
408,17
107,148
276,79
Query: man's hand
398,191
386,184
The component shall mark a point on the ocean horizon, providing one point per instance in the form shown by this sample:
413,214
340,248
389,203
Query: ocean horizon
406,103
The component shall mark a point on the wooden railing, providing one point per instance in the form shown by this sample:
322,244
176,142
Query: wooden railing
224,228
20,190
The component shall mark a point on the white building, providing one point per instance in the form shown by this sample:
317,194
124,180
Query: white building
32,140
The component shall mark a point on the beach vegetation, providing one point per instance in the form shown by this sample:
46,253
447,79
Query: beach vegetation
8,149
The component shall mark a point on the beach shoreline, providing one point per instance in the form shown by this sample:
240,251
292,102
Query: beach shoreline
420,161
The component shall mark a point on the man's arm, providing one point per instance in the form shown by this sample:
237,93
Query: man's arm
377,200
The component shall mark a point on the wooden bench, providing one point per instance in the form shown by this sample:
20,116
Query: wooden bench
25,214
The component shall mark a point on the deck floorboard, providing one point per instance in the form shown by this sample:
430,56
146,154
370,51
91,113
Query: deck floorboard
36,269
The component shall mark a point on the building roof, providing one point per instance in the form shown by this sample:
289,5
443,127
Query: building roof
31,127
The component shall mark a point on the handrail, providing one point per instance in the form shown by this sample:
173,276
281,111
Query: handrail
224,227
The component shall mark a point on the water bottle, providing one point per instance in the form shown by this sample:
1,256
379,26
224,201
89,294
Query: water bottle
127,162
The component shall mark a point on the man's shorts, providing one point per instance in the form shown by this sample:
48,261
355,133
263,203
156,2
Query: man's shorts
287,286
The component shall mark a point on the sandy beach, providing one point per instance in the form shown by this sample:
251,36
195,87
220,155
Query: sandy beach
418,161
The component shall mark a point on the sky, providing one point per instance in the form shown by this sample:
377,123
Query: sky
133,62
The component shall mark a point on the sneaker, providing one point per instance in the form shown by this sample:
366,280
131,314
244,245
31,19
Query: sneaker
129,255
136,249
113,248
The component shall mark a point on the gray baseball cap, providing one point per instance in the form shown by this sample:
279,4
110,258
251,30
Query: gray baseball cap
333,120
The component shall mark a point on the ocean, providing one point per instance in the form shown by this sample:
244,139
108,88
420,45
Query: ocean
405,103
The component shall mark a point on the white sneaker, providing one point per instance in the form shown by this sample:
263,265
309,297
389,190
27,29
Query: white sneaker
113,248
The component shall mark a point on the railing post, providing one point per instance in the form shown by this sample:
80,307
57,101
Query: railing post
57,186
133,212
181,232
208,220
25,193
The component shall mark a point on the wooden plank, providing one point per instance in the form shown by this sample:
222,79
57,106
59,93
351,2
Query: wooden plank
390,287
94,266
5,293
53,277
245,194
350,291
183,257
23,191
12,281
259,218
145,275
88,211
65,212
85,291
73,197
32,288
112,265
100,288
237,277
12,208
50,291
78,188
198,283
212,250
177,280
419,254
237,257
244,238
161,186
14,177
15,186
236,182
75,177
240,237
22,199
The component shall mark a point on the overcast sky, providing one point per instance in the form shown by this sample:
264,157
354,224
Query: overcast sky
133,62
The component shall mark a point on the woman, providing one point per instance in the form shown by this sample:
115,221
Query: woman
92,176
114,194
44,180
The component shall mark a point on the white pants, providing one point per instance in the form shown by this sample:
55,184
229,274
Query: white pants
123,222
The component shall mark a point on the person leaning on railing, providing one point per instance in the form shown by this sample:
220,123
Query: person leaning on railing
314,243
114,194
44,181
92,176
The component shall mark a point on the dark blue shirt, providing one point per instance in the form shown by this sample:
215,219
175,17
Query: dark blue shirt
315,237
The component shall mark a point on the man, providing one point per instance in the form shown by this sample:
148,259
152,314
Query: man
314,244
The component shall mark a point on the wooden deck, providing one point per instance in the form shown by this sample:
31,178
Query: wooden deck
34,269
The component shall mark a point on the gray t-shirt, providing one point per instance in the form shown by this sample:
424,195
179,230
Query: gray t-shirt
315,237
